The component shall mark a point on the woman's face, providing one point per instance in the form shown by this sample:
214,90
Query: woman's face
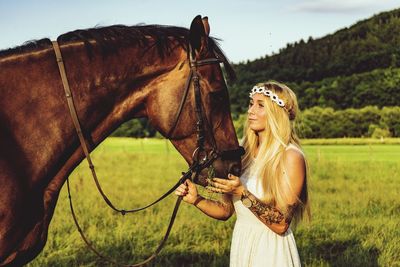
257,114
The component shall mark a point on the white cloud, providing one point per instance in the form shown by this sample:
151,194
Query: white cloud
338,6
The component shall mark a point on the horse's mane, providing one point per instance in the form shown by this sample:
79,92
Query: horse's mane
28,46
108,36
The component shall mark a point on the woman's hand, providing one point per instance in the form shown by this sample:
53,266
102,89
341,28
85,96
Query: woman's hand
231,186
188,191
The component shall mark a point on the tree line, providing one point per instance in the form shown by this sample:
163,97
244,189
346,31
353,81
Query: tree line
315,122
318,122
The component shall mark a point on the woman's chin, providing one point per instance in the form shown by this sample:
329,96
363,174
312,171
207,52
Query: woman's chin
255,128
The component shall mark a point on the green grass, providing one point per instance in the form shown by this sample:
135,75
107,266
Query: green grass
354,193
351,141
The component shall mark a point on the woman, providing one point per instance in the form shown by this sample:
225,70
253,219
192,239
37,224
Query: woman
272,189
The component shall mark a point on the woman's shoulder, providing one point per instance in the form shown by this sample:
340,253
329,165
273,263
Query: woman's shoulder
294,159
295,168
294,151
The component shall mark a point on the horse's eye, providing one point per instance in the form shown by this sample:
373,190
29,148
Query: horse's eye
218,97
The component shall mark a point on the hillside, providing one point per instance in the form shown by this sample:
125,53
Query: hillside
353,67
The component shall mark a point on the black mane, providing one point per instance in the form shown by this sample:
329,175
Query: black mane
109,36
27,47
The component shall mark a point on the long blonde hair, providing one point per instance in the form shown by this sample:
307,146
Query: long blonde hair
268,164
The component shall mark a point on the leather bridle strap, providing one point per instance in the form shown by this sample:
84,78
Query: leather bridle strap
85,149
196,167
183,100
155,253
185,176
70,102
75,120
192,73
74,116
79,132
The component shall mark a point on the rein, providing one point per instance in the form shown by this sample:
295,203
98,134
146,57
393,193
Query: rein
199,162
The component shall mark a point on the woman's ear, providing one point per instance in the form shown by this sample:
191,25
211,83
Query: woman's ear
198,35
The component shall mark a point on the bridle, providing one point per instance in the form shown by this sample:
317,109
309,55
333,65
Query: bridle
201,160
199,156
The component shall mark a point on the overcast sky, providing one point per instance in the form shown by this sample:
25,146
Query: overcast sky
249,28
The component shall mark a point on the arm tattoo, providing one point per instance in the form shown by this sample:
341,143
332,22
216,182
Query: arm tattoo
267,213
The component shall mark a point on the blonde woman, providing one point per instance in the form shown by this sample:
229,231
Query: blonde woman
272,190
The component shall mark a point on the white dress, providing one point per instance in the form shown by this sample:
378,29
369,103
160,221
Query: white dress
253,243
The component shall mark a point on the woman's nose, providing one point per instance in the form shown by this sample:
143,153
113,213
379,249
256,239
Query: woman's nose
250,110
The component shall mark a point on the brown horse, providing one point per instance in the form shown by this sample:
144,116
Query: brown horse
115,73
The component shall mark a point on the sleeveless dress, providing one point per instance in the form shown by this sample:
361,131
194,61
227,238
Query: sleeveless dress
253,243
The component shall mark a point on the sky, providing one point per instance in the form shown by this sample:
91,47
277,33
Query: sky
249,29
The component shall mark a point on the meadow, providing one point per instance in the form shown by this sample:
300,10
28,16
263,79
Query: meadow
354,192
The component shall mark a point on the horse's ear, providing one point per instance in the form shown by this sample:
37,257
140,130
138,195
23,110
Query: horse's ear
198,34
206,25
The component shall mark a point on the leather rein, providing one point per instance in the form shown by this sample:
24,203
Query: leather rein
201,159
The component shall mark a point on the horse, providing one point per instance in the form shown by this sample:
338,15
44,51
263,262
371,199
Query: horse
115,73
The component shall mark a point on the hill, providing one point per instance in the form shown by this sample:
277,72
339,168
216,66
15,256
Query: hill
353,67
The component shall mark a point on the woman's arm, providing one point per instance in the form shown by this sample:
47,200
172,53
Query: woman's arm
270,215
220,210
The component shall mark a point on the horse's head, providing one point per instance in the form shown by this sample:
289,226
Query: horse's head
192,107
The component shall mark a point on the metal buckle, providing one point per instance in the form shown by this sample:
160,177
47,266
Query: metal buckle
200,156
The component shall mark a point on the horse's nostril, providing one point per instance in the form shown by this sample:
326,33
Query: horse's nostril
235,169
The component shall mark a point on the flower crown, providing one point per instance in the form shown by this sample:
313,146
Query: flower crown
266,92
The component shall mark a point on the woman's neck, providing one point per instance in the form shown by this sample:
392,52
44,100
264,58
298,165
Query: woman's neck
259,143
261,139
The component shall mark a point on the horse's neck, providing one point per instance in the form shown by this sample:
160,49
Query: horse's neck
34,109
111,88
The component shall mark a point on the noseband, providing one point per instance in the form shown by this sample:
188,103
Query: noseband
200,162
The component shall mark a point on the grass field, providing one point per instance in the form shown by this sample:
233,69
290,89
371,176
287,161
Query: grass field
355,203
